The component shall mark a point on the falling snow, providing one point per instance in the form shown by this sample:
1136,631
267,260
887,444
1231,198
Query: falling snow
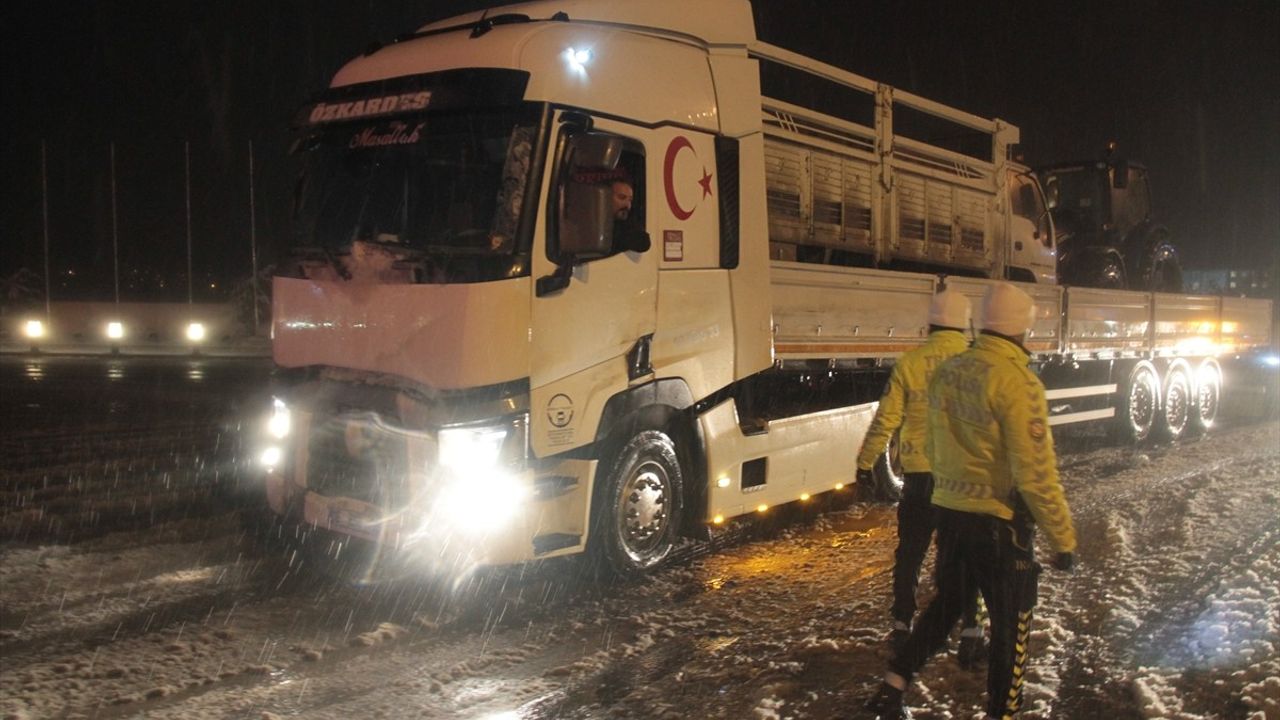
1173,610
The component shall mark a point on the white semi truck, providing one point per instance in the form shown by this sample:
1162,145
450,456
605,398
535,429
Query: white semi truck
481,361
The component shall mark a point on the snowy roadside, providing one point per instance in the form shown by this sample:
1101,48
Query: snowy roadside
1173,611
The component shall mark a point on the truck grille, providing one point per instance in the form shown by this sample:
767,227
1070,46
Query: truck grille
354,457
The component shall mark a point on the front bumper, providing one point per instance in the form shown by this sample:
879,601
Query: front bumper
428,524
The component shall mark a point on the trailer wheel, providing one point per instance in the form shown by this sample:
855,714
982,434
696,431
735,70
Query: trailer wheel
1138,404
1208,397
1176,407
638,505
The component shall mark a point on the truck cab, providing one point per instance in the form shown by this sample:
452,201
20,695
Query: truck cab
1033,240
469,330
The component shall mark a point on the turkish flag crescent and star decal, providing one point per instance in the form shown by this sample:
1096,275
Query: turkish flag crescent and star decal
679,143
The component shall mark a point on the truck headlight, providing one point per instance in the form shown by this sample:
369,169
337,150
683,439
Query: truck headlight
481,490
271,457
281,420
471,450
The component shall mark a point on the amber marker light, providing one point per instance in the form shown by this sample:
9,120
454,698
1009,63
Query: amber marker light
804,496
839,486
762,507
718,520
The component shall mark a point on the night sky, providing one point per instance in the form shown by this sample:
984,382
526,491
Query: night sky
1191,88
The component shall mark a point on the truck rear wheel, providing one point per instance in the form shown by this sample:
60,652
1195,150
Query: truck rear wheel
1176,407
1137,406
1208,397
638,505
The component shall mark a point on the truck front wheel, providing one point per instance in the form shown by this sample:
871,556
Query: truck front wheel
638,505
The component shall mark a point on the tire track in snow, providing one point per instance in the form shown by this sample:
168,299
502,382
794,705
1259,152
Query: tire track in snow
1143,552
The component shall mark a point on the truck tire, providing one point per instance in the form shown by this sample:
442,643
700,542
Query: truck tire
1107,273
1137,405
638,505
1176,406
1165,273
1208,396
1155,261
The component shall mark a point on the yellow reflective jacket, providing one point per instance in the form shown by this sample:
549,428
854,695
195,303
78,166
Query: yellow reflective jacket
989,437
905,403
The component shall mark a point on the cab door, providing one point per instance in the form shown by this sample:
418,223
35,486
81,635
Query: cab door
596,302
1032,254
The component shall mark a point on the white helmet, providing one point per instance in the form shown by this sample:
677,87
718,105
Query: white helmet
1007,310
949,309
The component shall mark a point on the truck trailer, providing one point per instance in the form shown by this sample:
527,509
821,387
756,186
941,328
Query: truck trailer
484,357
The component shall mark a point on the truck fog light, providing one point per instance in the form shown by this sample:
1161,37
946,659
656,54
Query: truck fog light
483,503
195,332
115,330
34,329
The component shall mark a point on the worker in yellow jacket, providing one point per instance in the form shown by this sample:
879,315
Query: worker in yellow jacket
904,408
995,479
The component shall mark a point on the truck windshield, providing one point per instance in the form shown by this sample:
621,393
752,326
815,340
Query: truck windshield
444,191
1082,194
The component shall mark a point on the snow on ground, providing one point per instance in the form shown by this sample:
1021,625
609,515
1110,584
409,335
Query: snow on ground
1173,611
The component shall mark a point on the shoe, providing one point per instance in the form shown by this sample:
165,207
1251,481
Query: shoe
898,636
887,704
972,654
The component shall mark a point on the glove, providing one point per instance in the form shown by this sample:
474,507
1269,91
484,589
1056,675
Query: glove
866,479
1064,561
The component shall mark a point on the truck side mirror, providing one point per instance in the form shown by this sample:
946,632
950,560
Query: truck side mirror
583,203
1051,193
586,222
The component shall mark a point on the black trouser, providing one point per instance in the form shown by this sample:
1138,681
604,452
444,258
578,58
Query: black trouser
997,556
917,517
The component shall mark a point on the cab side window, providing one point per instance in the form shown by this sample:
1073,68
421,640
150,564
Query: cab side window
600,198
1026,200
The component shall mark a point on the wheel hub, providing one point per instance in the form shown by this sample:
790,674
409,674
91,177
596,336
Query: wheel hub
1176,407
644,507
1208,405
1141,404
